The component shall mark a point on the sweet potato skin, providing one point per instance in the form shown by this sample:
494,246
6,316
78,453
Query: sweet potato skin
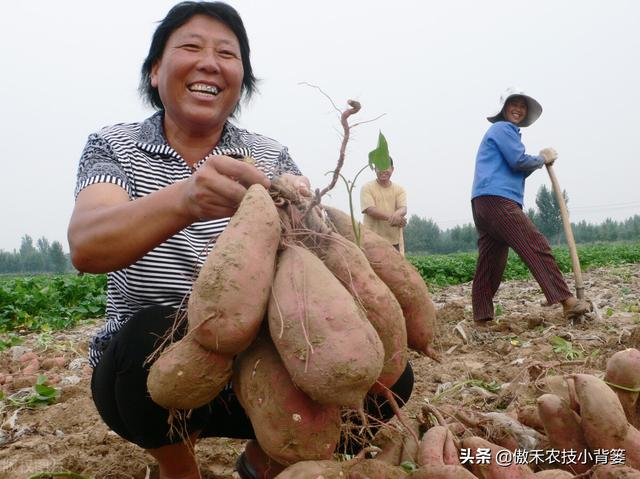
289,426
563,429
187,376
623,369
229,298
348,263
328,346
492,470
604,423
446,471
402,279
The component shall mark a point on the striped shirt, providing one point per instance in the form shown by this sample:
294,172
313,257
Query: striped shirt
137,157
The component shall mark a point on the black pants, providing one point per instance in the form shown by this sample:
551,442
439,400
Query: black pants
119,388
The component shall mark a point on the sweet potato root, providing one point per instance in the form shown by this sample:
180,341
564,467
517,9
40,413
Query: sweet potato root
493,470
432,471
402,279
562,426
437,448
348,263
604,423
289,426
357,468
553,474
615,472
229,298
187,376
327,344
623,376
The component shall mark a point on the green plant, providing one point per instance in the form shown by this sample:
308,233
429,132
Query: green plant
378,158
565,348
41,395
49,302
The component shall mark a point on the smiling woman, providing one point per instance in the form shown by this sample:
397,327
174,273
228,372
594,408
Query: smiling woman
151,200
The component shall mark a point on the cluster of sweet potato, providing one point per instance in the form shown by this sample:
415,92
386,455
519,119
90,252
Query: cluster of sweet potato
584,420
303,325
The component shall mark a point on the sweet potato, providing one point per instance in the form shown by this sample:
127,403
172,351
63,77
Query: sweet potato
396,444
615,472
229,298
313,470
187,376
357,468
437,448
562,426
528,415
493,470
327,344
603,421
553,474
623,376
402,279
289,426
432,471
348,263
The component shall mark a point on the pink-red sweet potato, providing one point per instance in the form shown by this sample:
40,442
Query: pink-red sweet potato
187,376
553,474
604,423
563,429
402,279
615,472
229,298
492,469
440,471
437,448
326,342
623,376
289,425
348,263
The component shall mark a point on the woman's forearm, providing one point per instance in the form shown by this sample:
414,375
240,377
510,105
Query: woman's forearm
109,232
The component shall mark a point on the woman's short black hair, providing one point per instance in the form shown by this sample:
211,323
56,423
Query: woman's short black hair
178,16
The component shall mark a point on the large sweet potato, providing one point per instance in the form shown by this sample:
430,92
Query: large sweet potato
562,426
357,468
402,279
604,423
324,339
187,376
553,474
289,426
437,448
348,263
623,376
229,298
615,472
493,470
440,471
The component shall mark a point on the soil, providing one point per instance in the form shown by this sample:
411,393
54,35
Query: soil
496,368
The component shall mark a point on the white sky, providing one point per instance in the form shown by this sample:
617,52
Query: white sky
435,69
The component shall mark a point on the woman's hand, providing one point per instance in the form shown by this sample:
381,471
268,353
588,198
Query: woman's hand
549,155
216,188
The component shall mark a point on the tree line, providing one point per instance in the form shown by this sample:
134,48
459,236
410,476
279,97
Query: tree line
424,236
43,257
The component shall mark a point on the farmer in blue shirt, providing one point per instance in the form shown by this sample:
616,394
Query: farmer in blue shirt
502,167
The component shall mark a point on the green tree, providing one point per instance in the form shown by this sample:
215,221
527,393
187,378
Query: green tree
421,235
548,219
30,258
57,259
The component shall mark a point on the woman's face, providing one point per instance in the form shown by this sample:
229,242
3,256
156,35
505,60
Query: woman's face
515,110
199,75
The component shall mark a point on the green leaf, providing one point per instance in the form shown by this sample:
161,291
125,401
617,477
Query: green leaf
379,158
408,466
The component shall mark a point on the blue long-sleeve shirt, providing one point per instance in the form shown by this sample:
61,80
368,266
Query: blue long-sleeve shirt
502,164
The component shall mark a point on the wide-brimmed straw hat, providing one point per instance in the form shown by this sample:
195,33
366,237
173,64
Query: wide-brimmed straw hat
534,109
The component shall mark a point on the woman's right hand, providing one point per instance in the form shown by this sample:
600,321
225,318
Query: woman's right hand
217,187
549,155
